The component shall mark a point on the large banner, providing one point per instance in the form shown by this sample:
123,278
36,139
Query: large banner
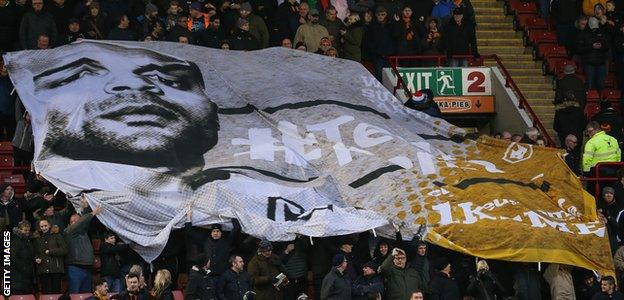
289,143
456,90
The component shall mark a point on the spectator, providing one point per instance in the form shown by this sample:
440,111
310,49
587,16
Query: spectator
417,295
331,52
430,43
599,148
22,260
618,49
516,138
540,141
111,266
407,33
333,25
73,33
381,252
560,280
9,206
138,270
527,282
311,32
378,41
10,15
263,269
149,20
257,27
569,82
601,17
61,12
442,285
50,248
485,285
101,290
422,265
423,101
573,157
198,20
324,44
569,118
506,136
287,43
442,10
174,12
80,256
7,104
295,262
234,282
352,38
608,290
43,42
566,12
183,39
400,279
336,285
200,285
180,29
610,207
93,22
588,286
614,17
610,121
55,218
368,283
530,136
287,19
458,38
122,30
593,46
242,39
162,286
580,29
34,23
134,291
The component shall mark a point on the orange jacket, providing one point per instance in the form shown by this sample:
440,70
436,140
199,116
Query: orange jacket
189,23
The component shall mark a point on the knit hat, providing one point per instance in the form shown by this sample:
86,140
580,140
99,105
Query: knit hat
568,69
45,206
418,96
241,22
338,259
608,189
265,245
246,6
458,11
441,263
150,8
371,265
196,6
380,9
314,12
216,226
73,20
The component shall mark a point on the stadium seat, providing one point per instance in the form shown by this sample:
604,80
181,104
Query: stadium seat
17,182
540,36
50,296
593,95
22,297
591,109
177,295
6,147
547,51
519,7
522,20
97,263
80,296
611,95
96,244
557,64
532,22
611,82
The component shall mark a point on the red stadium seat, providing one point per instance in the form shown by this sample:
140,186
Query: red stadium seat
592,95
6,147
547,51
519,7
50,296
177,295
17,182
22,297
533,23
611,82
611,95
96,244
591,109
80,296
97,263
557,64
540,36
522,20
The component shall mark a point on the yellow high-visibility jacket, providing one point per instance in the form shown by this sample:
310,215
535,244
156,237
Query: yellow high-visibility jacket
600,148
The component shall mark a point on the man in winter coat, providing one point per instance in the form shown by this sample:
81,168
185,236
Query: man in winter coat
459,38
569,82
336,285
422,265
442,285
401,280
311,32
9,206
378,41
560,280
257,27
369,283
80,256
22,260
35,23
50,249
569,118
484,286
263,269
234,282
608,290
242,39
133,289
593,45
111,266
200,285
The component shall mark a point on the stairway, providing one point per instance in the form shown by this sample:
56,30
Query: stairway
495,35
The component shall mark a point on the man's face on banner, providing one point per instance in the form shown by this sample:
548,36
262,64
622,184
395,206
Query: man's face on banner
131,100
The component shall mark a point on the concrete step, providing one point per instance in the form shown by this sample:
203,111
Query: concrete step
543,102
494,26
513,58
539,95
482,33
520,64
503,50
488,8
518,79
486,16
509,42
535,86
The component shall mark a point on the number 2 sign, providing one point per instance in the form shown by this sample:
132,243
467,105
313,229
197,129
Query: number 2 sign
476,81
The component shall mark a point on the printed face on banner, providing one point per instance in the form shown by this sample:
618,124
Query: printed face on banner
148,108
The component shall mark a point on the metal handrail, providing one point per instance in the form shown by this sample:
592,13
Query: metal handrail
509,82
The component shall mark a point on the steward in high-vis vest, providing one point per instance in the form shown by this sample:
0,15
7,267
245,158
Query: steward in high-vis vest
601,147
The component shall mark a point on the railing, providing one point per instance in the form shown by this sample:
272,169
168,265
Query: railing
523,103
597,178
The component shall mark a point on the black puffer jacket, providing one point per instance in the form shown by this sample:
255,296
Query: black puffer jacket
485,286
110,264
459,39
34,24
22,262
443,287
199,285
589,54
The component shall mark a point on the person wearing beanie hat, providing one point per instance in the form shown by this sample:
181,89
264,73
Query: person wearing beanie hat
264,269
198,20
569,82
610,208
367,283
421,263
336,285
219,246
400,279
459,38
423,101
149,20
242,39
442,285
9,205
593,46
311,32
257,27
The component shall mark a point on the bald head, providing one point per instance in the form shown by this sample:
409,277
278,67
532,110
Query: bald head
571,141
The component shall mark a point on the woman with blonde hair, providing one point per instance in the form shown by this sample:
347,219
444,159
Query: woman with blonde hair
484,285
162,286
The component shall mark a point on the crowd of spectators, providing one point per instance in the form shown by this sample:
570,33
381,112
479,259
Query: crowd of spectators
362,30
